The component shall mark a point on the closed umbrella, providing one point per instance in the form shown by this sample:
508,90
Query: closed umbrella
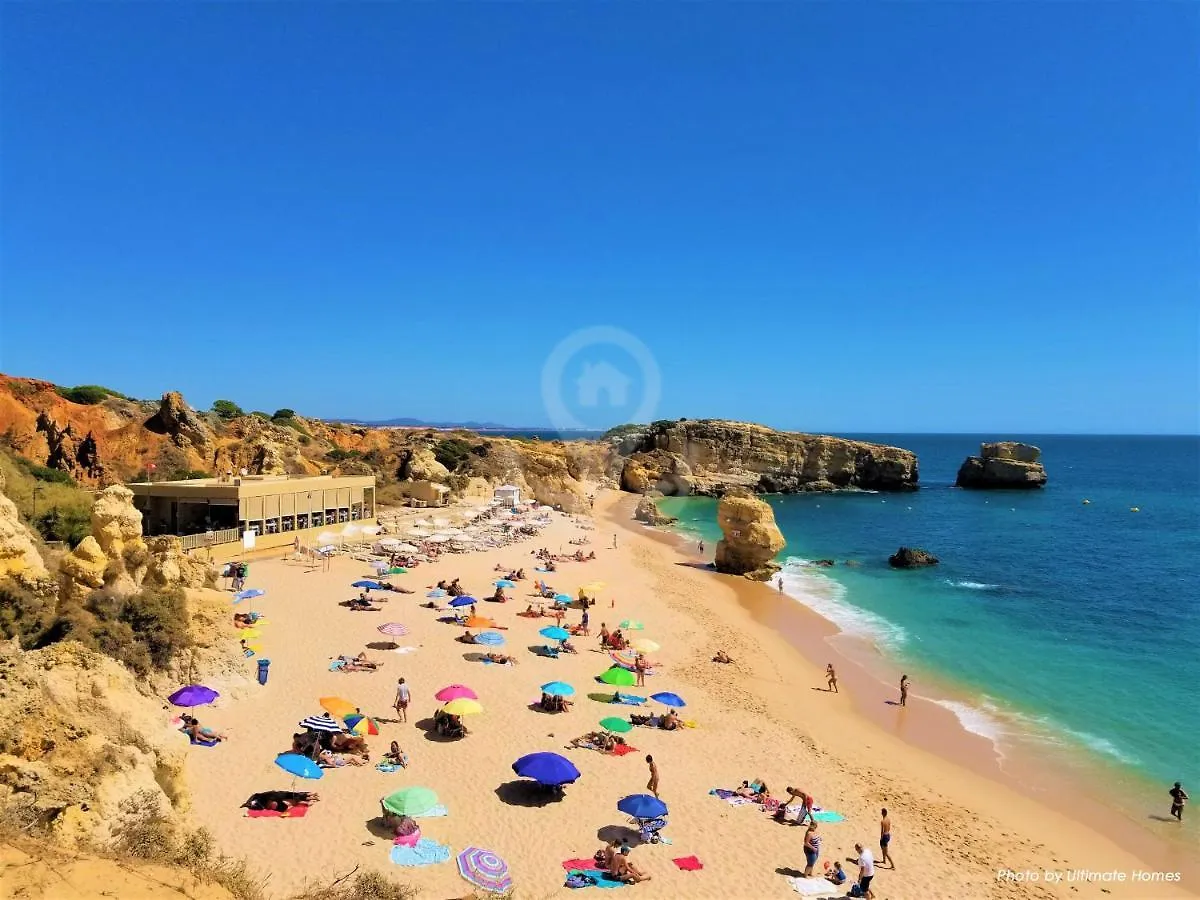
411,801
490,639
619,677
324,722
485,870
546,768
193,695
668,698
455,692
626,659
394,629
558,689
555,633
618,726
642,806
298,765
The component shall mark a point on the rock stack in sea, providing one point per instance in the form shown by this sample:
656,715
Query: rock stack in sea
647,511
751,539
1003,464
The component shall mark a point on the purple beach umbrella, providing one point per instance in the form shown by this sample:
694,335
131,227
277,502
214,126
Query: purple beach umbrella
193,695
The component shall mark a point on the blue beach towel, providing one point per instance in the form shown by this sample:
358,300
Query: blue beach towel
425,853
629,700
336,664
601,878
828,815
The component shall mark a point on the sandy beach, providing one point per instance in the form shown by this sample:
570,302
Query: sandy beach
957,832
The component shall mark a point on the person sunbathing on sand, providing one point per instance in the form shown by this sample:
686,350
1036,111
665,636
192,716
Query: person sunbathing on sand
753,789
358,663
599,740
670,721
502,659
280,801
623,870
199,734
396,756
327,759
466,637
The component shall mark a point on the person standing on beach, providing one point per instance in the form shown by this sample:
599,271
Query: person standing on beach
639,668
701,546
831,677
812,849
403,695
652,784
583,622
1178,798
866,871
904,690
885,838
614,542
779,583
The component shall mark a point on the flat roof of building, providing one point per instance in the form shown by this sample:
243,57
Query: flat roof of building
250,485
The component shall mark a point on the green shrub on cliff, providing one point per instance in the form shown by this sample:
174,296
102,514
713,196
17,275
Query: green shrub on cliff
88,394
49,501
227,409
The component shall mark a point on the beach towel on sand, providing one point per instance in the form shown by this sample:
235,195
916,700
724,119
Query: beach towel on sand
570,864
432,813
721,793
425,853
815,887
403,650
622,749
598,879
688,863
828,815
299,811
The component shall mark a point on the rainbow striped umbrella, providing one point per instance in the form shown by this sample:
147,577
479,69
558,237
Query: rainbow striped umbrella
485,870
394,629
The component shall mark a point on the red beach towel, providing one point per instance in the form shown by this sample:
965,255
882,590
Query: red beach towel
570,864
688,863
622,749
296,812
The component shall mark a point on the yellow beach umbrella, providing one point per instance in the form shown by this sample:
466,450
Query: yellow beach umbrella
463,706
249,634
591,588
645,645
338,706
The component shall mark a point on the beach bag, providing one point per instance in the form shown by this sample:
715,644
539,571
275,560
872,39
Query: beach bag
579,880
855,891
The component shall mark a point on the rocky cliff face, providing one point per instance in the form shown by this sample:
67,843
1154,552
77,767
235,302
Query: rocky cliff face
647,511
751,539
711,456
182,423
19,557
1004,464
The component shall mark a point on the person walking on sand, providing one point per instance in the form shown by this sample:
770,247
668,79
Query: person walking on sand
904,690
614,542
866,871
652,784
403,695
831,677
701,546
1178,798
885,838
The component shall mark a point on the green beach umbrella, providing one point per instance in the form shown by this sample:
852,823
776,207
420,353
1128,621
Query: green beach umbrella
619,677
632,625
397,570
612,723
410,801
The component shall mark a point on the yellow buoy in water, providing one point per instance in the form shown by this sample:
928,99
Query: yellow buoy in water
1086,502
1134,509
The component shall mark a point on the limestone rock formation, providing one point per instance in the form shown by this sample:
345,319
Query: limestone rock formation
1004,464
269,460
911,558
751,539
419,464
114,555
19,557
82,570
181,422
647,511
710,456
169,566
78,457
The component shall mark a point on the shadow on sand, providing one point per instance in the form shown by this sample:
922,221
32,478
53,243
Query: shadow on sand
522,792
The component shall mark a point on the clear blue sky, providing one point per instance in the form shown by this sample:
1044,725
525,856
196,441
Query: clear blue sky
844,217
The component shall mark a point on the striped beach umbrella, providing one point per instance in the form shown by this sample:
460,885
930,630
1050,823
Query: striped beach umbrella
393,629
323,722
485,870
359,724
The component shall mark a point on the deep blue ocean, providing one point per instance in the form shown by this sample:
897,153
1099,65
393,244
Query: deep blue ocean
1075,625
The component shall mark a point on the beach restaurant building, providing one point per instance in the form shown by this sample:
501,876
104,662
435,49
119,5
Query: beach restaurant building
223,510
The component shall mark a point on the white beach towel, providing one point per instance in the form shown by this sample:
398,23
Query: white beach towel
404,650
815,887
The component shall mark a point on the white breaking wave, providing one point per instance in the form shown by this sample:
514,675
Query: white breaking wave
975,720
973,585
826,597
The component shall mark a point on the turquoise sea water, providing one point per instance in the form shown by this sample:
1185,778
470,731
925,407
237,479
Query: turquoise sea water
1073,625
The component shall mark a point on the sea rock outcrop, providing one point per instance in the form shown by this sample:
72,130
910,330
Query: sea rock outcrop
181,422
710,456
1003,464
751,539
647,511
911,558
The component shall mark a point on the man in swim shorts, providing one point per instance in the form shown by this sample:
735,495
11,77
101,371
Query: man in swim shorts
885,838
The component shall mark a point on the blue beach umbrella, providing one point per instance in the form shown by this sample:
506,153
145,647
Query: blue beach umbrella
642,806
369,585
247,594
555,633
462,601
558,689
490,639
562,599
546,768
300,766
504,582
435,593
669,699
